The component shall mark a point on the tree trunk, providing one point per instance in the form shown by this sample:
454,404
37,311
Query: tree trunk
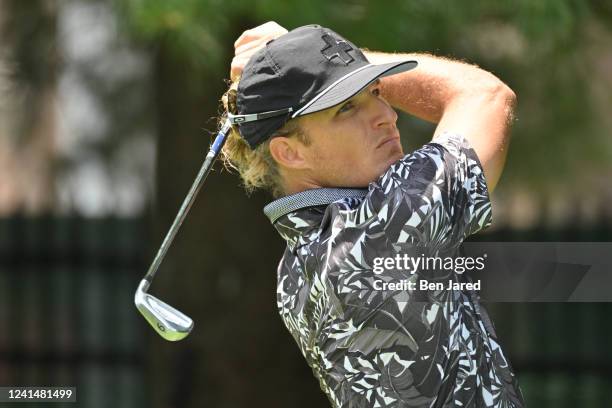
28,67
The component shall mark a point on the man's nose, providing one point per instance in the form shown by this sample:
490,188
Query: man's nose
383,113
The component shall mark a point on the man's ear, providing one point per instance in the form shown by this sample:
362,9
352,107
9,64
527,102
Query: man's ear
288,153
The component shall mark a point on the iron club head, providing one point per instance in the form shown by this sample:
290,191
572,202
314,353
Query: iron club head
168,322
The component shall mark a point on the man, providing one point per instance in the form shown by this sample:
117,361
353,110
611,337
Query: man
315,124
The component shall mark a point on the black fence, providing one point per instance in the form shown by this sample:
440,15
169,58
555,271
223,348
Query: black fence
66,315
562,352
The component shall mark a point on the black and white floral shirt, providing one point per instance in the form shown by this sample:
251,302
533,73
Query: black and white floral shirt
382,348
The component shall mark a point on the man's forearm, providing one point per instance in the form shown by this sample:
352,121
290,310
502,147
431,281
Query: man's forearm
433,85
460,98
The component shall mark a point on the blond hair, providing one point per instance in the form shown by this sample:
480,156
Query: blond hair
256,167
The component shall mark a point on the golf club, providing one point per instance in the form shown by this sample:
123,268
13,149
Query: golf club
168,322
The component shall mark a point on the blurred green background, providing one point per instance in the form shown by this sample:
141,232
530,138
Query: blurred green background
106,112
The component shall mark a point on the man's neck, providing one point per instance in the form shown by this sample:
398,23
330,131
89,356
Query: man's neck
295,183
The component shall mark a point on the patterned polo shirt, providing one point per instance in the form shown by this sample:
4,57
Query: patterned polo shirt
392,348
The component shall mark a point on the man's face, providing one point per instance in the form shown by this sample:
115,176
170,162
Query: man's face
353,143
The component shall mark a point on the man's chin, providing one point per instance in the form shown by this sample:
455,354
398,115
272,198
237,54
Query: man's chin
393,158
396,154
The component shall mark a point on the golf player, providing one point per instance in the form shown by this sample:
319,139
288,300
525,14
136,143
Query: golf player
314,123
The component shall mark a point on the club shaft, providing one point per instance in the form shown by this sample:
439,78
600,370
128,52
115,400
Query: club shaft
189,199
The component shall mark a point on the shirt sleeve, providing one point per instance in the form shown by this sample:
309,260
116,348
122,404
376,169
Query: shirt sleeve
437,194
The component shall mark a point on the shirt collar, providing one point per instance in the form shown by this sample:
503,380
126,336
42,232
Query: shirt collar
309,198
299,227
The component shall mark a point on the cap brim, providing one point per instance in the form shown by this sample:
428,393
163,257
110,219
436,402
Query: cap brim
351,84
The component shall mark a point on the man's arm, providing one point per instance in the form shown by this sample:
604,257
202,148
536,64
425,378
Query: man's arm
460,98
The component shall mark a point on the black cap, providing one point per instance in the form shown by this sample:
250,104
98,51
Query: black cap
309,69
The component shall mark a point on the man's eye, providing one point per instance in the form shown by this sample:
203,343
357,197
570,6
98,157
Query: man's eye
376,91
346,107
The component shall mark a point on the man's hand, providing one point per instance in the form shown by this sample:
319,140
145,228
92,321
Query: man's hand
250,42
